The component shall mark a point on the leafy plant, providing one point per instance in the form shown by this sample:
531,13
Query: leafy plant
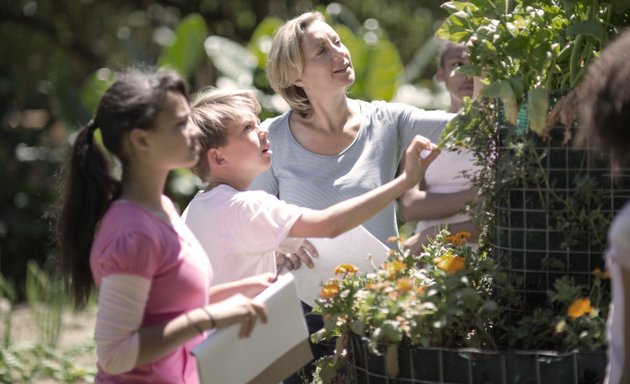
526,50
442,297
46,299
576,322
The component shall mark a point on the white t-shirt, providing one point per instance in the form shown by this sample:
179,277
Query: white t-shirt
445,175
617,257
241,230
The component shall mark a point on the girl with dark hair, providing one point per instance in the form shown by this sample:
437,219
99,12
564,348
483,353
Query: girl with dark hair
126,238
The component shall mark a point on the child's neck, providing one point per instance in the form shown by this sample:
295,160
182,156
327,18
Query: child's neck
236,183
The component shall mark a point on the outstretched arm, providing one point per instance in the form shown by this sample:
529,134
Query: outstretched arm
418,204
343,216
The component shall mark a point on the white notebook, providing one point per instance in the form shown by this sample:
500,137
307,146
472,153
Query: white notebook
273,351
357,247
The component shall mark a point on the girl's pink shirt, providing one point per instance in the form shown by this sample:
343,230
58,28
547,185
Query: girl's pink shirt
133,241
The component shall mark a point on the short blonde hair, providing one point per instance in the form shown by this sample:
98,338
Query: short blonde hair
285,65
212,111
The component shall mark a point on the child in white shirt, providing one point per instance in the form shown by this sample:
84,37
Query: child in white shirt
241,229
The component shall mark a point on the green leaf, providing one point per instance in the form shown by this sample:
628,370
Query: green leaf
510,105
588,28
94,88
537,108
383,67
231,59
187,52
455,6
260,42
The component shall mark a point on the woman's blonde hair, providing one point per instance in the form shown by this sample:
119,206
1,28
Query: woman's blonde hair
285,65
212,110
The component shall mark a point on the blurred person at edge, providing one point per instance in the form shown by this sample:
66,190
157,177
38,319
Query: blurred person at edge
604,115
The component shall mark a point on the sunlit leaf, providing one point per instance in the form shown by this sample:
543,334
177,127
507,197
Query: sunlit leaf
260,42
94,88
186,53
537,108
231,59
383,67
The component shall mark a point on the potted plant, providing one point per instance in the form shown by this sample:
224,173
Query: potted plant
548,202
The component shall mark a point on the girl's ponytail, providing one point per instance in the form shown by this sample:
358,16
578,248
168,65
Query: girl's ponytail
133,101
89,190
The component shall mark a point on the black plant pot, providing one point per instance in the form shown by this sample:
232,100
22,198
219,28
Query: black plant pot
535,240
454,366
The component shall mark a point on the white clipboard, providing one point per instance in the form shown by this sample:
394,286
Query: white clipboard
357,247
273,351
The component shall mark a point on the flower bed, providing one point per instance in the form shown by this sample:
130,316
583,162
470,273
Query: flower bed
441,303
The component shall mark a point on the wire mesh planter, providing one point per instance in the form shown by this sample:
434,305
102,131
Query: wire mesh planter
553,224
468,366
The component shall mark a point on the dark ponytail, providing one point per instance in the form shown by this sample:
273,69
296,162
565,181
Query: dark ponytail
133,101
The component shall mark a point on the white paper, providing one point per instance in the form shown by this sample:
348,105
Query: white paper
354,247
223,358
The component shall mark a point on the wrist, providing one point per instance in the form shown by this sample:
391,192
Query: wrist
209,322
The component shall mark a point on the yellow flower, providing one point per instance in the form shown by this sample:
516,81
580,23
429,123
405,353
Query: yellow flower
450,263
330,290
579,308
458,239
598,273
404,285
343,269
393,268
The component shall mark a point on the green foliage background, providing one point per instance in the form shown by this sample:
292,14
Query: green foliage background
57,58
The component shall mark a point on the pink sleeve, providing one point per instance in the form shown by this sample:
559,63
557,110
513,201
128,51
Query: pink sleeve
130,254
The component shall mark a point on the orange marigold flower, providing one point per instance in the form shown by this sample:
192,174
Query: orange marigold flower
450,263
458,239
343,269
579,308
602,275
393,267
330,290
463,235
404,285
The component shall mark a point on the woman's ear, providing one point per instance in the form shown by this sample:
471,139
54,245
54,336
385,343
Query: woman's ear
299,83
138,139
215,157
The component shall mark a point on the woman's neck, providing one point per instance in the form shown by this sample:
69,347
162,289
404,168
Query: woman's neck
330,114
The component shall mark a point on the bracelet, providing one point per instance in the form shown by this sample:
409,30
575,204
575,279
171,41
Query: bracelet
212,323
197,327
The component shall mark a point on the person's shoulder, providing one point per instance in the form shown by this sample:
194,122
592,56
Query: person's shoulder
619,232
276,123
